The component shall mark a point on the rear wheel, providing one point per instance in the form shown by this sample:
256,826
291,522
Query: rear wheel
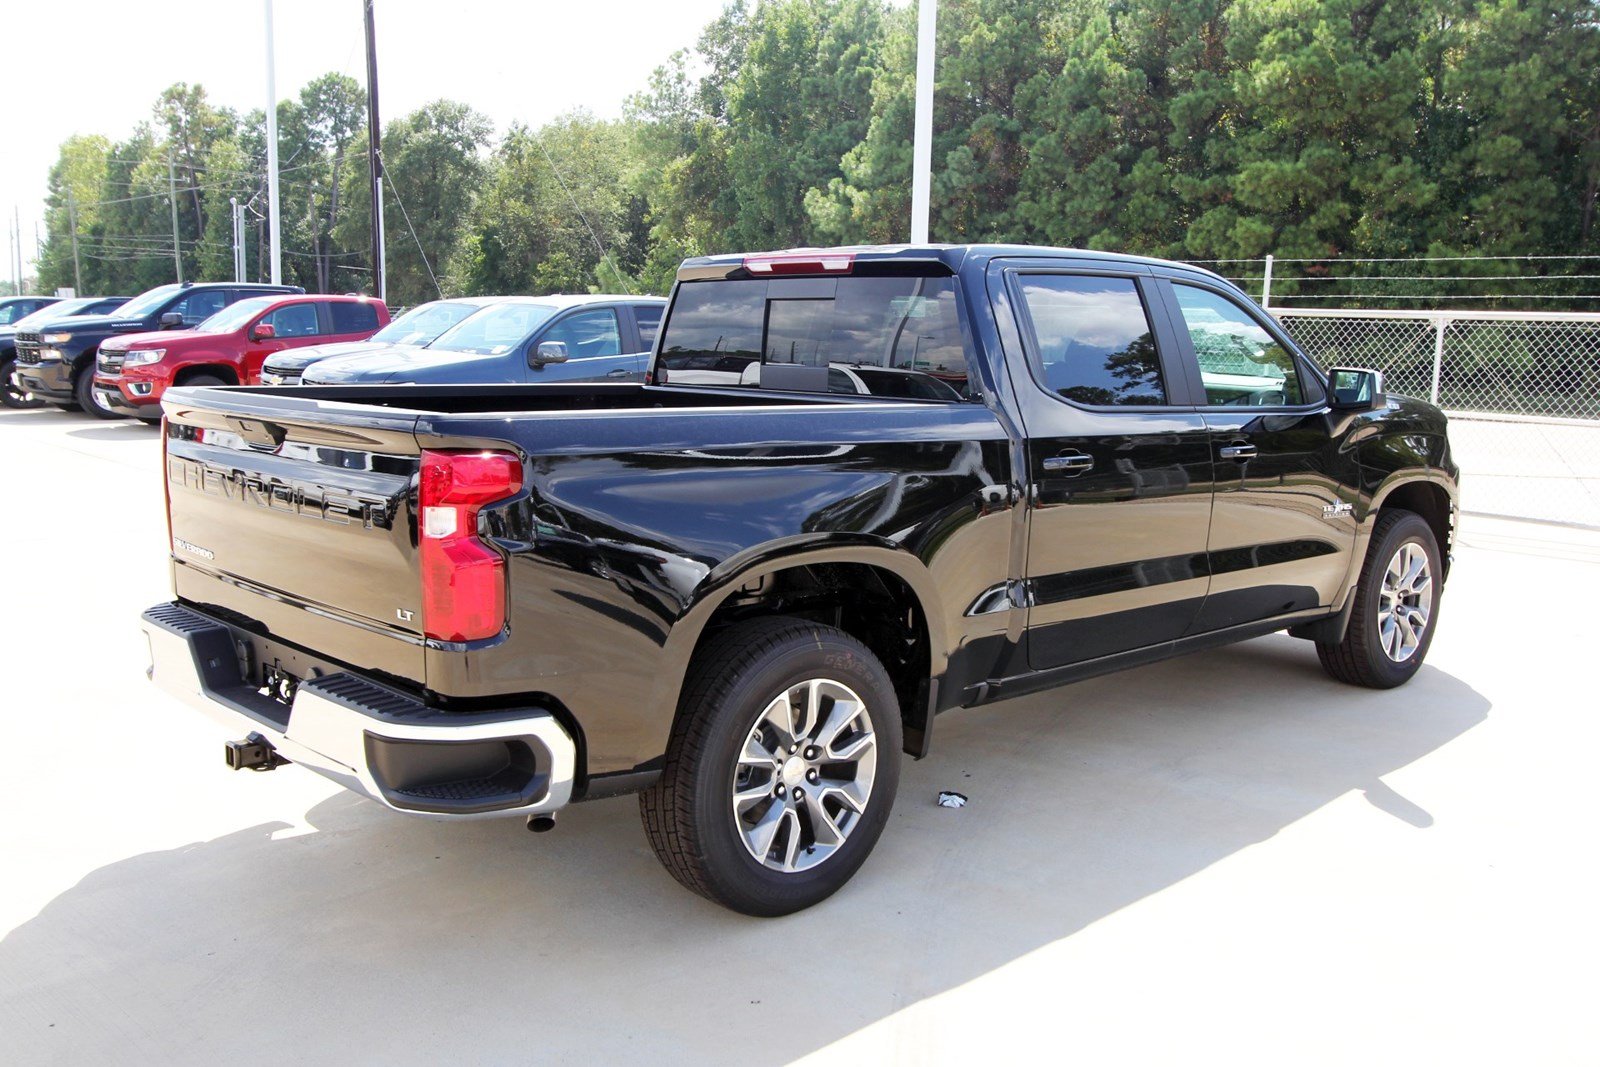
13,395
88,399
781,769
1396,608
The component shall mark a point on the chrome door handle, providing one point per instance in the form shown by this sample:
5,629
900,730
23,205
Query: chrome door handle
620,372
1071,462
1237,451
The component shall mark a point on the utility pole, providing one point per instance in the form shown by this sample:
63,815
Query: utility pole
16,242
375,159
172,198
273,227
72,219
238,237
922,140
13,259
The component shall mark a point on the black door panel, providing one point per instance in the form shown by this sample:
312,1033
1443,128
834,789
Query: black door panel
1119,483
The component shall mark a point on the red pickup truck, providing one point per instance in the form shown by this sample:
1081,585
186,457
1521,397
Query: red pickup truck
134,370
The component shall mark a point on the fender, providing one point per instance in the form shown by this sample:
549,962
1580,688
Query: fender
728,577
1384,490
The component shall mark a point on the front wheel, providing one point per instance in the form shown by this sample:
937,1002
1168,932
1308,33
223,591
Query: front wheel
1396,609
13,395
91,401
781,769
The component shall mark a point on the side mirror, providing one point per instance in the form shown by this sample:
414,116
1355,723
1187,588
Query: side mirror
549,352
263,331
1356,389
172,320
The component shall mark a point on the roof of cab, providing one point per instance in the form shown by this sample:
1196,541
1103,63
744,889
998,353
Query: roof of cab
951,256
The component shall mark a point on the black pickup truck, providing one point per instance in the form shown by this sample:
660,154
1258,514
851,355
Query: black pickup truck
55,359
862,487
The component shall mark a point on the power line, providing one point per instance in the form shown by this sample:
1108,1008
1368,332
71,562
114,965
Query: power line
604,256
407,216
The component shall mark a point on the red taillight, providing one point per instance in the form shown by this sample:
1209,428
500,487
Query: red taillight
801,263
463,579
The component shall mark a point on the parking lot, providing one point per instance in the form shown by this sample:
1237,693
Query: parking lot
1225,854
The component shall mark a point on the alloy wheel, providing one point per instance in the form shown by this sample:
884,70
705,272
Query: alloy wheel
804,775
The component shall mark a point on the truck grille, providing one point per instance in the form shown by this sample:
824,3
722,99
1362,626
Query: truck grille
28,347
110,362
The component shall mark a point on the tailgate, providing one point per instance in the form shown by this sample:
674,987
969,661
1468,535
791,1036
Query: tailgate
295,517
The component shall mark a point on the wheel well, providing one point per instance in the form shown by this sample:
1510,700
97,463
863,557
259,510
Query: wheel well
1433,504
871,604
222,371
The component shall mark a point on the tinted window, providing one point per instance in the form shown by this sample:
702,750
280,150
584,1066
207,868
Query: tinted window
354,317
587,334
882,336
198,307
648,318
17,309
1240,362
294,320
1095,345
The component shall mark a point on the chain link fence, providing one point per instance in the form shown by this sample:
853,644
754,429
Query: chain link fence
1522,391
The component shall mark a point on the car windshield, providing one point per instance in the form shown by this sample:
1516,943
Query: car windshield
424,323
145,303
235,316
495,330
61,309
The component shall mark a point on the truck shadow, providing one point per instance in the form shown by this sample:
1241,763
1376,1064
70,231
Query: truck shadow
393,938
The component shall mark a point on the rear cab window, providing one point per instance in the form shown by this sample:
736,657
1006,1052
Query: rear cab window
894,337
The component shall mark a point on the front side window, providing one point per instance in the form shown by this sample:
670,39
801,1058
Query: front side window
1241,364
1094,342
587,334
293,320
198,307
891,336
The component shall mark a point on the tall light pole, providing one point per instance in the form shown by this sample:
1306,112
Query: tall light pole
273,231
375,160
922,142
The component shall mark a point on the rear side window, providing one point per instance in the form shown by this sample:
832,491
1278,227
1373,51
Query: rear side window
648,318
897,337
354,317
1094,342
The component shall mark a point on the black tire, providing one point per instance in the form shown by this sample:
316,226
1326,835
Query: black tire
1361,659
83,390
10,395
689,815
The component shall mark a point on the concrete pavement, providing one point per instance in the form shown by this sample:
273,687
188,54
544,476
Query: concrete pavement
1224,856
